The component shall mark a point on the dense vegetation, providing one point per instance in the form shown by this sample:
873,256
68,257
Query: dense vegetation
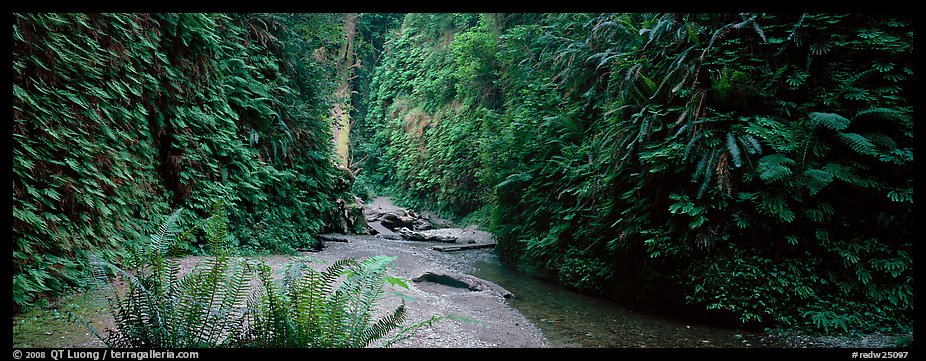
120,117
755,166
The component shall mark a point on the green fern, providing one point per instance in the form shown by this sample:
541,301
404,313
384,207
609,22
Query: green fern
880,140
829,120
330,308
901,195
606,112
734,150
774,167
880,113
859,143
140,111
214,305
752,145
161,309
817,179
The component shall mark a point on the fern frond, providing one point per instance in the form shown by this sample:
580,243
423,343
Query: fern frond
383,326
406,332
880,113
690,144
328,278
707,173
701,168
774,167
858,143
904,195
849,175
819,175
229,312
734,149
829,120
215,305
880,139
776,206
841,172
364,289
161,309
752,145
166,234
817,179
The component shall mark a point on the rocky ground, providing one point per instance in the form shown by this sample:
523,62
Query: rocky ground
872,341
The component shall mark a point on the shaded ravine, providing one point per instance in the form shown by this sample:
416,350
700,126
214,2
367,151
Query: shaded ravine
572,319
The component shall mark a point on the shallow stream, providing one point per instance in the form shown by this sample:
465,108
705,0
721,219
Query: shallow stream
572,319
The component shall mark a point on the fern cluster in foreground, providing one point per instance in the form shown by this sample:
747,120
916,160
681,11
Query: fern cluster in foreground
214,304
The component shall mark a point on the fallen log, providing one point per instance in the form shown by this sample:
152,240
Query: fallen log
464,281
332,238
379,229
461,247
425,236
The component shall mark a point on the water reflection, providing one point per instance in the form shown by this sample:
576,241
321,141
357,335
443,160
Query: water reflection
571,319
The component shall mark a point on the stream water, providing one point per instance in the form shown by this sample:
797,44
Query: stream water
572,319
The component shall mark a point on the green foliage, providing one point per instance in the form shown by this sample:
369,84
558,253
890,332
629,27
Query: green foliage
119,117
161,308
725,161
417,139
330,308
213,305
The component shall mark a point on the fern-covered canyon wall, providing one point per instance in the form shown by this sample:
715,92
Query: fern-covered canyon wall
120,118
756,167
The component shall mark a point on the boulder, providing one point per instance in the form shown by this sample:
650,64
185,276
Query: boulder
435,220
421,225
394,221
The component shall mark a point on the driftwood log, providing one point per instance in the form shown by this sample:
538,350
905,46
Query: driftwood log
464,281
